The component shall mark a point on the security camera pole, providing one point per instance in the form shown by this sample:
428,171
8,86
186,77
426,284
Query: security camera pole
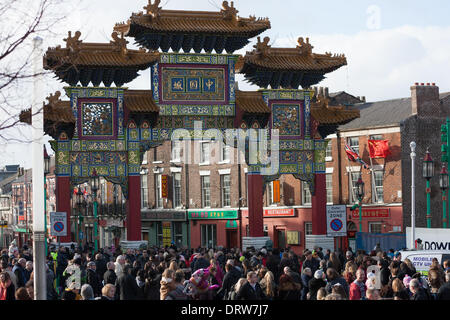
37,123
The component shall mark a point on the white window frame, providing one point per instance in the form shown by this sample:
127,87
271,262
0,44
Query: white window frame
159,204
205,157
374,185
203,194
353,196
144,188
176,151
328,151
308,228
222,191
174,175
305,189
224,160
375,223
355,148
329,188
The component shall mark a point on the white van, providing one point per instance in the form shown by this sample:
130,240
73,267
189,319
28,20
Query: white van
422,259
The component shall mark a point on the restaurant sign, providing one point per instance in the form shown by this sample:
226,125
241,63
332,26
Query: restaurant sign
372,213
275,213
219,214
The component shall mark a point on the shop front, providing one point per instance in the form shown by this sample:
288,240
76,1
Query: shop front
375,219
286,226
162,228
213,228
111,232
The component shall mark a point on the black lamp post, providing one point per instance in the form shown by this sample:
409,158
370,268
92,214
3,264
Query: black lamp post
443,184
95,182
360,194
80,212
428,172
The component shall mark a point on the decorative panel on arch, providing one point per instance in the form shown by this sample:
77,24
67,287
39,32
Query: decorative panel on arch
287,118
97,119
200,85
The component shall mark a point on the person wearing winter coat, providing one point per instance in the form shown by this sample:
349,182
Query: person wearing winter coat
19,271
179,292
334,278
306,277
7,290
152,285
110,275
93,279
316,283
251,290
288,289
126,285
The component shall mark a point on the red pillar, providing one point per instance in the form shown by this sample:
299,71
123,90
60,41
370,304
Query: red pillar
134,208
255,205
63,202
319,206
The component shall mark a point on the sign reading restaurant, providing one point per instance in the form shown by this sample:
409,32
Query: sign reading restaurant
274,213
213,214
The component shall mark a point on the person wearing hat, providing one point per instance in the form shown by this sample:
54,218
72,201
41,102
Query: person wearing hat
316,283
419,244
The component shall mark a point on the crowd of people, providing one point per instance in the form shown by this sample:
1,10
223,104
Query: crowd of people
173,273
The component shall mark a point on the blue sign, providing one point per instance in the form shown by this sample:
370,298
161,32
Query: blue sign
336,224
81,235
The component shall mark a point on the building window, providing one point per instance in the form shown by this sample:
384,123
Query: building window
246,187
306,194
144,190
354,176
206,196
178,233
329,186
176,151
354,144
374,227
205,152
376,137
266,230
225,153
328,155
177,190
308,228
158,191
155,154
159,234
225,190
208,235
378,192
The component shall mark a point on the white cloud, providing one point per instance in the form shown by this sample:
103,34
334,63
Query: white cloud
383,64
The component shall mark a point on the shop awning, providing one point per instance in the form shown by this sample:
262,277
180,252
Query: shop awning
231,224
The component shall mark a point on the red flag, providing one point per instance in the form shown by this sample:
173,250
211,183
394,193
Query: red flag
379,148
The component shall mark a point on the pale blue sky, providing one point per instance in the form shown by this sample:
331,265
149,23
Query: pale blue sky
389,44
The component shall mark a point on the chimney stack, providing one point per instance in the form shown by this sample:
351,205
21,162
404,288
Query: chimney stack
325,92
425,99
321,91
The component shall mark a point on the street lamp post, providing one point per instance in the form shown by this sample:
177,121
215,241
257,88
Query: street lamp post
428,172
80,213
46,172
95,181
360,194
443,184
413,195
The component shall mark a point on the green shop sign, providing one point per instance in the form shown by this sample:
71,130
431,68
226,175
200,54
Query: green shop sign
220,214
